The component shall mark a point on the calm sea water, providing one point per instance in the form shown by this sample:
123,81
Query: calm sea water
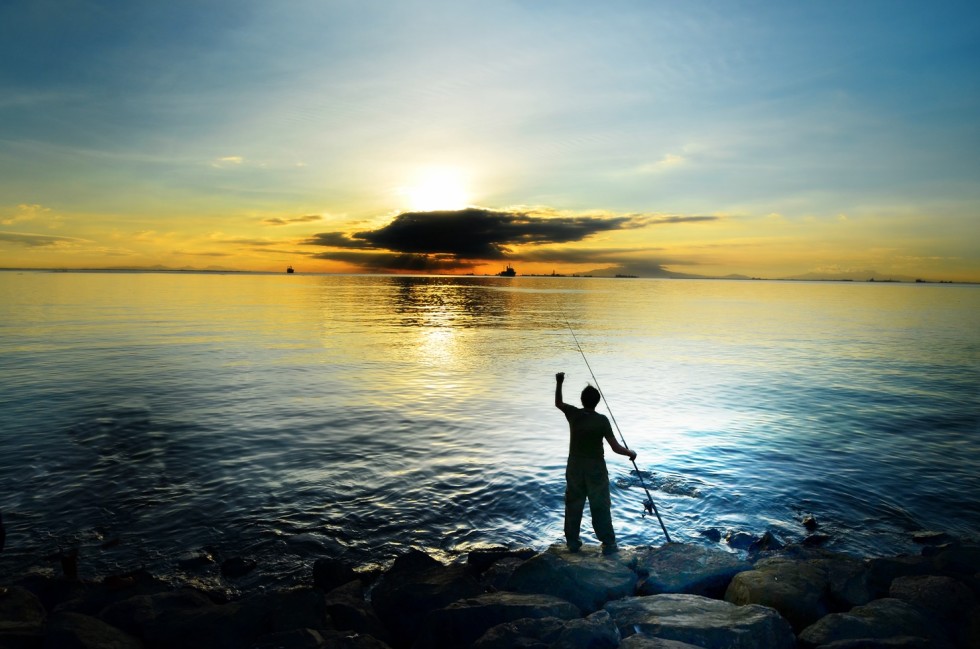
146,418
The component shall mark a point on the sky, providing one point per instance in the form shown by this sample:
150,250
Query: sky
764,139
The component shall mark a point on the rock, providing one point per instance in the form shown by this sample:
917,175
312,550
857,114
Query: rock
883,570
287,610
702,621
597,631
349,611
930,537
768,543
416,585
941,598
587,578
969,635
461,623
739,540
295,639
810,523
795,589
496,576
646,642
712,534
959,560
815,540
77,631
21,617
682,568
880,619
236,567
481,559
899,642
330,573
69,564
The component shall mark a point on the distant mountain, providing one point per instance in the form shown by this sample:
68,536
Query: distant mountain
855,276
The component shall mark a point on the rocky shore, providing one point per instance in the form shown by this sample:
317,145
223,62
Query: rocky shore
676,596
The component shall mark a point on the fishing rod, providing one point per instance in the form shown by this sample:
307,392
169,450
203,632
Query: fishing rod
649,504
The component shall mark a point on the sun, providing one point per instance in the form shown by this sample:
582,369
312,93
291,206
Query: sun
437,188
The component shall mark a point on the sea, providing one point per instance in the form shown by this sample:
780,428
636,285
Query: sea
171,420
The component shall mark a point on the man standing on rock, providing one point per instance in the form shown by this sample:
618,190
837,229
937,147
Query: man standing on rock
585,473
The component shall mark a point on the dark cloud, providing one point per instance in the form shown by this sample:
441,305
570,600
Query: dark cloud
472,233
298,219
404,262
37,240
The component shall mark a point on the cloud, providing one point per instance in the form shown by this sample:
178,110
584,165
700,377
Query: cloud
407,262
38,240
472,233
228,161
26,212
298,219
669,161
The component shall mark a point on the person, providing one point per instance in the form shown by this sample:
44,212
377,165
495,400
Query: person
586,476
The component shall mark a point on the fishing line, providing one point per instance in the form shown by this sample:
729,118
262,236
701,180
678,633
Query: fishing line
649,504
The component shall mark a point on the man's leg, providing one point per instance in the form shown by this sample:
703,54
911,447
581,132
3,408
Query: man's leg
600,506
575,495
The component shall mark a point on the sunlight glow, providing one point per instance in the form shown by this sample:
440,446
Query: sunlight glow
437,188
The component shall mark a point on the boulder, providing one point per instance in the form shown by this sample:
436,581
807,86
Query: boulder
236,567
682,568
461,623
77,631
883,570
496,576
878,620
331,573
481,559
939,597
900,642
349,611
314,639
287,610
21,617
795,589
767,543
702,621
587,579
595,632
959,560
646,642
739,540
414,586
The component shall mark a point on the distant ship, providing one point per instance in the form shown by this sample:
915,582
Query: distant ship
507,272
289,269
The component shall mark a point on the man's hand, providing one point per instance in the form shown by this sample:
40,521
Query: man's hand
632,456
560,377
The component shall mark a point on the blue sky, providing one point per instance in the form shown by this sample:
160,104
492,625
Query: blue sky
823,137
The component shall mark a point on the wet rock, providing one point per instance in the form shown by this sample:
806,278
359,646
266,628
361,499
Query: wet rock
880,619
931,537
53,591
646,642
959,560
331,573
682,568
349,611
810,523
496,576
795,589
236,567
21,617
587,579
287,610
900,642
767,543
939,597
702,621
597,631
482,559
739,540
815,540
461,623
416,585
77,631
883,570
712,534
195,560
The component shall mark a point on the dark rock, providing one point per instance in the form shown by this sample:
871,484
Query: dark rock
53,591
196,560
810,523
331,573
287,610
959,560
768,543
795,589
525,633
461,623
930,537
483,558
295,639
414,586
597,631
880,619
347,640
587,579
21,617
899,642
646,642
941,598
815,540
496,576
702,621
236,567
712,534
682,568
883,570
349,611
969,635
77,631
69,564
739,540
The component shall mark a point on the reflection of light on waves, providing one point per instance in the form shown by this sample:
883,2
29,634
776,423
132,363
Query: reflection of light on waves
437,343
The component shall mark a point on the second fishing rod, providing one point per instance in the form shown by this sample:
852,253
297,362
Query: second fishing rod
649,504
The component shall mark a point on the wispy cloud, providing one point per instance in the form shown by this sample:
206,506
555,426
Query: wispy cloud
39,240
228,161
309,218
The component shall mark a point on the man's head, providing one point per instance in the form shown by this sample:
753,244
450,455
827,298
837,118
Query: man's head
590,397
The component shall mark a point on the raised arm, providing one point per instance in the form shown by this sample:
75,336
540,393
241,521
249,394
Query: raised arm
559,379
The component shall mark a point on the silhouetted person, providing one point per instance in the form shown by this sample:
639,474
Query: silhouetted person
585,474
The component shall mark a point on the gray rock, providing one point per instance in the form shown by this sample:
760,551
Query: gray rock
767,543
939,597
878,620
462,623
959,560
702,621
587,579
482,558
416,585
930,537
77,631
526,633
317,639
496,576
597,631
900,642
349,611
682,568
739,540
21,617
795,589
883,570
646,642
